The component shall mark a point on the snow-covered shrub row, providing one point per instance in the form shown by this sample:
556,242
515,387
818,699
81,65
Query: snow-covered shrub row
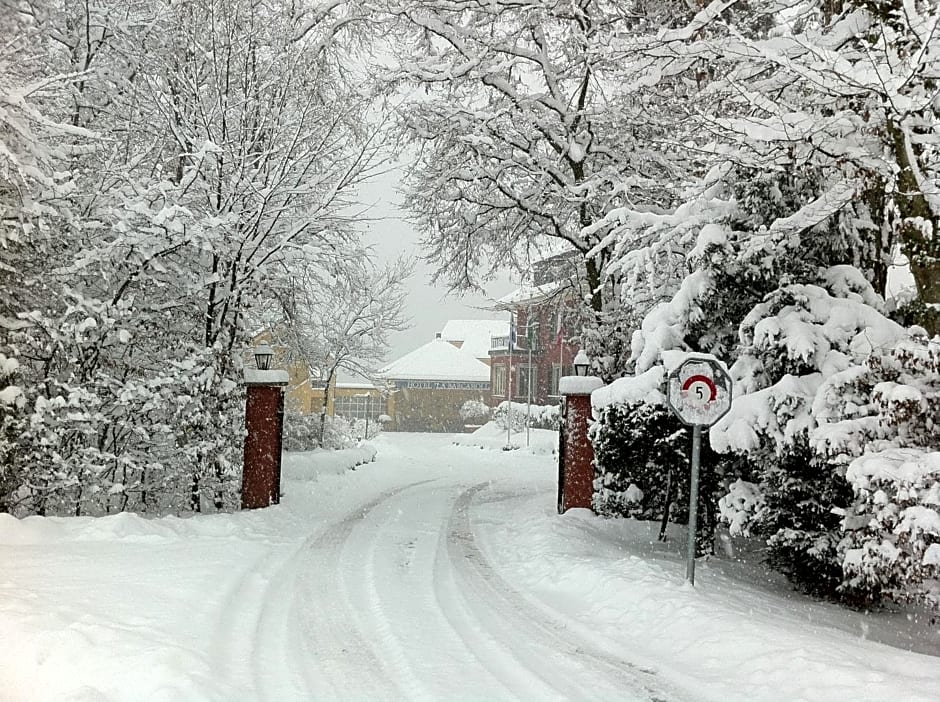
311,465
302,432
539,416
475,412
642,455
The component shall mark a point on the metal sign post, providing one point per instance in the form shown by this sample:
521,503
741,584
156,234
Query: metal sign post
512,342
532,329
699,394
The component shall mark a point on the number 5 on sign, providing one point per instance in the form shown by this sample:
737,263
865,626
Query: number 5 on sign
699,393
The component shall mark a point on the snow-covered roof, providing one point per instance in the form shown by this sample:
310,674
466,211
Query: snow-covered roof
528,294
437,360
475,334
552,247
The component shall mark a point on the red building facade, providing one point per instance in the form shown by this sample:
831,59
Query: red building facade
541,319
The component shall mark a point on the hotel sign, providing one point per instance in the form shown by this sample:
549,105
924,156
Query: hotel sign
441,385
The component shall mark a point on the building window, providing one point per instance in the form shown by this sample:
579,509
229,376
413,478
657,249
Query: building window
358,406
499,380
556,379
521,389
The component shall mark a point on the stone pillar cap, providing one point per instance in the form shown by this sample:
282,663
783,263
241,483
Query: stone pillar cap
579,384
253,376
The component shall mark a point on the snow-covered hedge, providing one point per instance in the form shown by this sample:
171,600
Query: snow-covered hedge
302,432
310,465
475,412
539,416
641,452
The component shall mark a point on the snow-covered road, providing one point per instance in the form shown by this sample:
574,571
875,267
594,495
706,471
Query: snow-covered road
438,572
393,599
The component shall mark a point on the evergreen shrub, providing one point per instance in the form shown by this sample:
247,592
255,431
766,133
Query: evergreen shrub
636,445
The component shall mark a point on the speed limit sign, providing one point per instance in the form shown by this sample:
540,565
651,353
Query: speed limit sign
699,392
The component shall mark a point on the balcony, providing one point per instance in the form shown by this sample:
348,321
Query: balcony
500,344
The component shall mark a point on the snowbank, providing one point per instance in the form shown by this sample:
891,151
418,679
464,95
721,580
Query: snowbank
491,436
308,465
739,634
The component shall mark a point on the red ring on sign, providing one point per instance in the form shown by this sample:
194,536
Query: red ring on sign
712,388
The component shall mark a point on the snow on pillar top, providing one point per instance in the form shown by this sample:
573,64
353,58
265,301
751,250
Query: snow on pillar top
253,376
579,385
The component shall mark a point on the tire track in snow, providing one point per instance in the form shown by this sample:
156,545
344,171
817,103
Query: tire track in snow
333,642
575,668
287,632
391,572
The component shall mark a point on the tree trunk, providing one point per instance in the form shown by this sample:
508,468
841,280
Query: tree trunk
874,197
195,503
918,230
325,405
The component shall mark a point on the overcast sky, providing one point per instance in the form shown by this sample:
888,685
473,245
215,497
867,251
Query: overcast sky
428,306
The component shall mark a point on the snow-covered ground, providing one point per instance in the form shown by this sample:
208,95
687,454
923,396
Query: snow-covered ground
436,572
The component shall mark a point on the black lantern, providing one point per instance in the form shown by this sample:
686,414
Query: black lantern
581,363
263,356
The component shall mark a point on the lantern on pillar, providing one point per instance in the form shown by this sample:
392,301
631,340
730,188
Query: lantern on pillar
581,363
263,356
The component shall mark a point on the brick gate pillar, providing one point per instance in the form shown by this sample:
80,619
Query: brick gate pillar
264,423
575,452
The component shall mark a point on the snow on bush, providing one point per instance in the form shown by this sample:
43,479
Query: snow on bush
894,525
822,380
539,416
641,453
10,395
795,340
302,432
475,412
739,505
878,423
92,446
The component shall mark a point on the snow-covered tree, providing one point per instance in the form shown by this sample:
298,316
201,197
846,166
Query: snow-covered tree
847,89
878,422
230,149
526,136
792,344
341,318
